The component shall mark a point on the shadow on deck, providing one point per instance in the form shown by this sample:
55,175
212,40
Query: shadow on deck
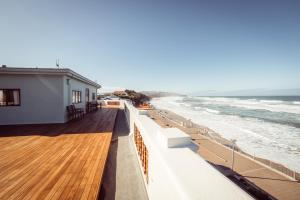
99,121
122,177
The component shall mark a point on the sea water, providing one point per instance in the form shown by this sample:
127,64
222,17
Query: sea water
267,127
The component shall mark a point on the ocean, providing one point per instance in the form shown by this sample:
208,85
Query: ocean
268,127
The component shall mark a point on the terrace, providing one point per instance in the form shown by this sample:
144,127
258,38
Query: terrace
117,152
56,161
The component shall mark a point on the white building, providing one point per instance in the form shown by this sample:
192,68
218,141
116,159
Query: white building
40,95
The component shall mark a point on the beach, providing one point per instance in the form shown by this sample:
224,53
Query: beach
265,127
216,150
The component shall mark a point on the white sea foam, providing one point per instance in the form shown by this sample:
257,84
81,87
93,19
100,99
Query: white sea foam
271,101
212,111
278,142
270,105
186,104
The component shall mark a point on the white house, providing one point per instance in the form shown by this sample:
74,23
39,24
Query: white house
40,95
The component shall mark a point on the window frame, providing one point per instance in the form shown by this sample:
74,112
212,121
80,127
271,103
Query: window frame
78,96
13,89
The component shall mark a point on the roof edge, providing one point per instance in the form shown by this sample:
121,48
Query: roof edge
48,71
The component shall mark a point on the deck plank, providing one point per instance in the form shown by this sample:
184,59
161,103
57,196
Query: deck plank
55,161
72,190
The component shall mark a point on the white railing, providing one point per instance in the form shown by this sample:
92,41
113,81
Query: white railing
171,168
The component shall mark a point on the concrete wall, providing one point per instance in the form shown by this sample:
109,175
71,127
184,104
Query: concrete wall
178,173
74,84
41,99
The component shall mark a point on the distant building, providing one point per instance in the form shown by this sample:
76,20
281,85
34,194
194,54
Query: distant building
120,93
40,95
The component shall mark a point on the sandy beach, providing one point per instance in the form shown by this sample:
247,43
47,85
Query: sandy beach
250,173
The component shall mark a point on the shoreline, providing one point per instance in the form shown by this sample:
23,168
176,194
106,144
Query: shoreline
203,130
218,151
262,128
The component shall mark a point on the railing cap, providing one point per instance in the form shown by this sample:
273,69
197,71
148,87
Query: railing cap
173,137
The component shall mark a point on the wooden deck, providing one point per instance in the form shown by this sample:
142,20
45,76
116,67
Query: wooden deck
57,161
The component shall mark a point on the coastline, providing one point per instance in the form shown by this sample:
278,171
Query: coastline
256,123
218,152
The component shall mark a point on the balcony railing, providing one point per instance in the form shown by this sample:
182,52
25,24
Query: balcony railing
142,151
171,167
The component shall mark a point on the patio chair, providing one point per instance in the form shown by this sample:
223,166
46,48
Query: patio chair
71,113
79,112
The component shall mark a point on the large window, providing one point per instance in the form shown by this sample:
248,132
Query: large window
76,96
10,97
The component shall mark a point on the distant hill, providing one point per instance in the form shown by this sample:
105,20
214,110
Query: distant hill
250,92
136,97
155,94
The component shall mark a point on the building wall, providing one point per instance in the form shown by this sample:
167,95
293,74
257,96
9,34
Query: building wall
41,99
70,84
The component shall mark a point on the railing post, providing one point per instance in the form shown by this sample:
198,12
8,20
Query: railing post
233,146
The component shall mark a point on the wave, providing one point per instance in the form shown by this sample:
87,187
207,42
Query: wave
207,110
267,139
186,104
271,101
212,111
253,104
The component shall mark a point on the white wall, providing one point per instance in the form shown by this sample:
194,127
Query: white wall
77,85
179,173
41,99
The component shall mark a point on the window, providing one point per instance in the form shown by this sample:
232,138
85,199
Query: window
87,95
9,97
76,96
93,96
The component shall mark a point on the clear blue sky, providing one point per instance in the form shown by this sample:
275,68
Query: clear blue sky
181,46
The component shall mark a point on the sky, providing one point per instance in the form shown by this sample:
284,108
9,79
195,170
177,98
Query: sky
177,46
